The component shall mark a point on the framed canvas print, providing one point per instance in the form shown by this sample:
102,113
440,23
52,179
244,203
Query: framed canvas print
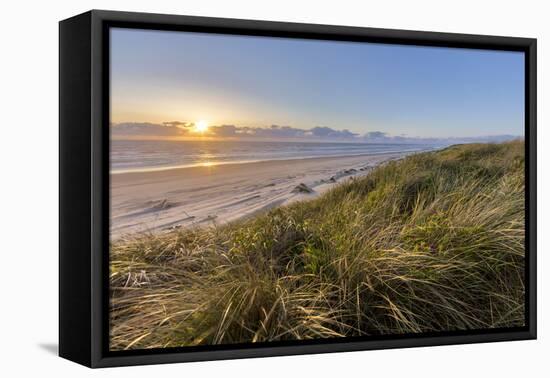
234,188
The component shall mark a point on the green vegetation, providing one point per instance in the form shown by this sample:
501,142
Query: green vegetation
432,242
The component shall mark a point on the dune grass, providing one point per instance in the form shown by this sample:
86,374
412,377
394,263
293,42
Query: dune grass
430,243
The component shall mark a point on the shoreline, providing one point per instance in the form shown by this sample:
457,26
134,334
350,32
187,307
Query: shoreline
163,200
212,164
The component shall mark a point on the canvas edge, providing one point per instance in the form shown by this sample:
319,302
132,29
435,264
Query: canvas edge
75,210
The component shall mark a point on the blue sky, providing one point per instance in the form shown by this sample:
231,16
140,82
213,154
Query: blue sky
159,76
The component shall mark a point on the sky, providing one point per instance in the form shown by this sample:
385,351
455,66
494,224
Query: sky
247,85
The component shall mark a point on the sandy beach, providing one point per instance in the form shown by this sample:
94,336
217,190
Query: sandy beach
161,201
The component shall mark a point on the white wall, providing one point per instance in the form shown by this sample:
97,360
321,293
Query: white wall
28,200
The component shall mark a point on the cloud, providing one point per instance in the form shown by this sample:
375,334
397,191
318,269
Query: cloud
224,130
327,132
346,134
274,132
147,129
375,135
178,124
383,137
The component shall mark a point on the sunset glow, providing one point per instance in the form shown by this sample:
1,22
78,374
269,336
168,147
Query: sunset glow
252,82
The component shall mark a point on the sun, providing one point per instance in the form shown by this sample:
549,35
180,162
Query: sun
201,126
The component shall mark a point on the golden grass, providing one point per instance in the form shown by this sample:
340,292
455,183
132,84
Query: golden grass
434,242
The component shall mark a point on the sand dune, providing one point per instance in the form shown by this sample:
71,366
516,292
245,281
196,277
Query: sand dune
201,196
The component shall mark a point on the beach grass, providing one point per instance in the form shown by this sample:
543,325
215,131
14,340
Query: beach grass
433,242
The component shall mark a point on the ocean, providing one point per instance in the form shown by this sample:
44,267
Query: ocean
153,155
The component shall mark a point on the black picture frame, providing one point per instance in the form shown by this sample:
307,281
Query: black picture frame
84,189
